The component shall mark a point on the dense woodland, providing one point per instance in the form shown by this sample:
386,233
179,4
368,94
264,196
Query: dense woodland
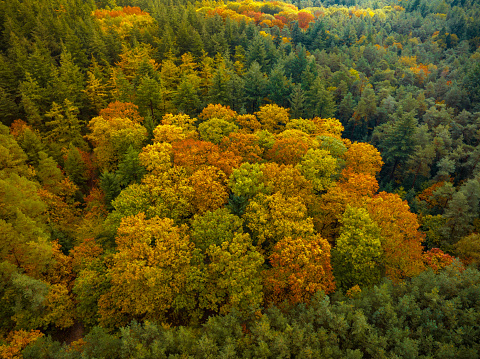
239,179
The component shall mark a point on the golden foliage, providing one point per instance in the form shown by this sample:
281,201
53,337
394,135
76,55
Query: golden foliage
218,111
152,259
300,267
210,185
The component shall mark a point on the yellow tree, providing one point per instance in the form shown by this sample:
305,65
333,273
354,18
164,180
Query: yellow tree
168,133
156,158
287,181
362,158
300,267
210,189
112,138
168,194
150,273
401,239
218,111
182,120
319,167
273,217
273,118
248,123
328,127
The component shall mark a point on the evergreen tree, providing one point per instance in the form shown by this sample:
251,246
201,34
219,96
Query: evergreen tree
297,102
319,101
279,87
255,87
399,142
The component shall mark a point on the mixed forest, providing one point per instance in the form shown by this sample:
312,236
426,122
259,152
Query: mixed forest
257,179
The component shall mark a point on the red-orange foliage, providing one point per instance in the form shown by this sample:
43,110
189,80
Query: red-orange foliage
84,253
127,10
401,239
121,110
95,202
300,268
288,151
244,145
87,159
195,154
436,259
304,19
17,127
428,196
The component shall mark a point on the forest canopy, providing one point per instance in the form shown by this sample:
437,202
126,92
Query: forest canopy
239,178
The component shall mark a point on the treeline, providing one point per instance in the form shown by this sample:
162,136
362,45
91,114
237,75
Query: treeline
434,316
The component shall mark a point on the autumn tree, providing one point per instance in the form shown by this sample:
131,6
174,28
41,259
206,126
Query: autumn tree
153,258
287,150
210,190
218,111
214,227
166,195
300,268
193,154
112,137
353,191
244,145
248,123
401,239
273,118
362,158
168,133
215,129
273,217
319,167
121,110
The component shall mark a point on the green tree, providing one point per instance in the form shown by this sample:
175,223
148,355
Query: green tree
357,254
279,87
187,98
215,227
67,81
232,276
64,127
398,143
130,170
297,102
75,167
256,83
219,89
319,100
150,98
215,129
